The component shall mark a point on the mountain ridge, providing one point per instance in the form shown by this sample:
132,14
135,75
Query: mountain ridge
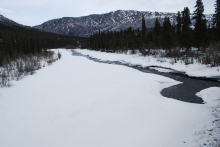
118,20
8,22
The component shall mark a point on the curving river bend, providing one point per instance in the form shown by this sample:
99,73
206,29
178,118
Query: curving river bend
184,92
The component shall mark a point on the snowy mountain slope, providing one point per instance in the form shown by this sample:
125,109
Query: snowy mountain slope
11,23
116,20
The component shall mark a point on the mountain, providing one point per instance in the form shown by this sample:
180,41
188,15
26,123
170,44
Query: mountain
113,21
8,22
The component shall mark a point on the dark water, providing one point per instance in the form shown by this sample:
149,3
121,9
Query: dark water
183,92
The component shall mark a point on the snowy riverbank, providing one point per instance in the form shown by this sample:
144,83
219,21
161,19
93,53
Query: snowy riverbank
194,70
78,102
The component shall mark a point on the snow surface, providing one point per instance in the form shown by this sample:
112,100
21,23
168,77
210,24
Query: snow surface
161,69
80,103
195,70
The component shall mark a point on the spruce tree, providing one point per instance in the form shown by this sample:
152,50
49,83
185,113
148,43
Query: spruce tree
157,33
199,17
1,49
179,28
186,31
157,27
206,34
139,33
216,20
143,28
167,38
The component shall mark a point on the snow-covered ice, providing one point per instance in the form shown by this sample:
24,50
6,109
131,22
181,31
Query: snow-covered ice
195,70
161,69
81,103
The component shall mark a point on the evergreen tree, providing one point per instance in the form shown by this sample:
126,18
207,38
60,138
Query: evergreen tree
1,49
186,31
199,17
167,38
206,34
150,36
143,28
179,28
157,27
216,20
157,34
139,33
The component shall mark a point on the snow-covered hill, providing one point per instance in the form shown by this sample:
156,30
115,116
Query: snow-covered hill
116,20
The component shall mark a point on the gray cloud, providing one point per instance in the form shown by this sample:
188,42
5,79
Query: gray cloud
32,12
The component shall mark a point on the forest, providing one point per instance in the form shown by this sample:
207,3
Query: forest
17,41
23,50
177,40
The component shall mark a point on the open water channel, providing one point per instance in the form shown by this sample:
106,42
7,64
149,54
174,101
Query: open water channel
186,91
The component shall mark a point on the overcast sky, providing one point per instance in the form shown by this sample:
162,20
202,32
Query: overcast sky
35,12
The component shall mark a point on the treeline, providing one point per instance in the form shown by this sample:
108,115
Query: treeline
17,41
167,36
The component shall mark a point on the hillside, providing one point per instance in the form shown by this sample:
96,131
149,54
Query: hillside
17,40
112,21
8,22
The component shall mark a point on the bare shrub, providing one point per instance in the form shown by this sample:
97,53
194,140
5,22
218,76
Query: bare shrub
50,61
4,79
214,53
50,54
24,65
172,61
143,52
59,55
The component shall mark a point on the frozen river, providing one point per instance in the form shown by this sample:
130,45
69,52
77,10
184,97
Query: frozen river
186,91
